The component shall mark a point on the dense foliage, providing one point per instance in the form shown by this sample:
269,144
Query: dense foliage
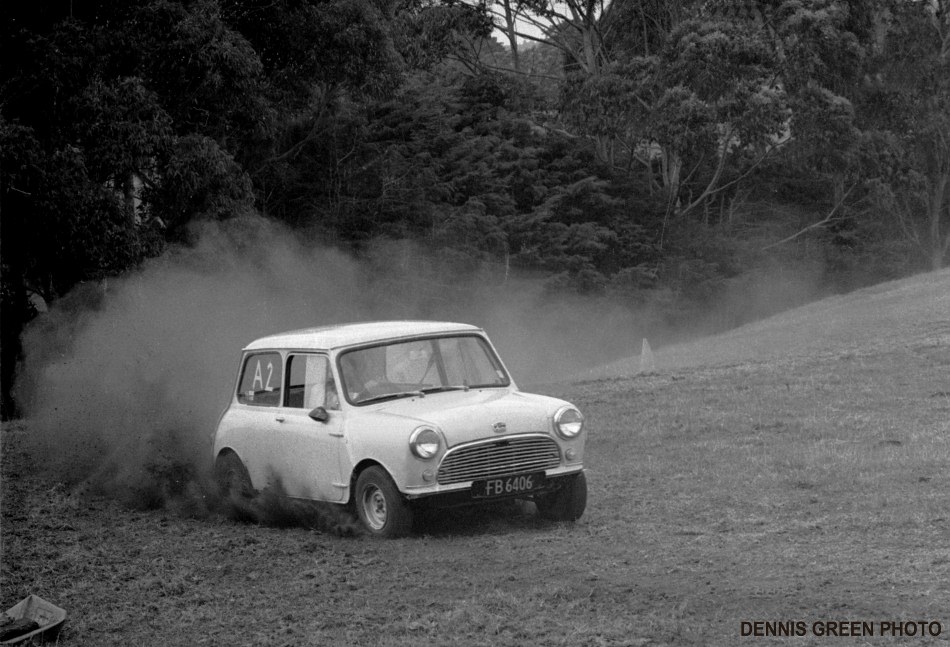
649,151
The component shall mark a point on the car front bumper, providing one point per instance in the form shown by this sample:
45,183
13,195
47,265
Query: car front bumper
458,494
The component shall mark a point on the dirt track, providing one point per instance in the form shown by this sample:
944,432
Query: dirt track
810,487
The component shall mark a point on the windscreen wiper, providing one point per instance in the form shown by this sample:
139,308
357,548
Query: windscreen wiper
392,396
447,387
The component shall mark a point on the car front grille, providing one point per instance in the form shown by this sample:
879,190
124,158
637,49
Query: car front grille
501,457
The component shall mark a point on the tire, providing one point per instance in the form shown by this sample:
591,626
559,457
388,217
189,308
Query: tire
232,477
381,508
567,503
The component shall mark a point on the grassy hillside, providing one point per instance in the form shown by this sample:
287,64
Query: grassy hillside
792,470
900,314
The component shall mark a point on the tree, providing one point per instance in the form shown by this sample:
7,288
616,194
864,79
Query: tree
906,107
695,118
577,28
428,32
101,105
64,191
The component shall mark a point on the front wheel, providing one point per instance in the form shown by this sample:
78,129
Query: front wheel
566,504
381,508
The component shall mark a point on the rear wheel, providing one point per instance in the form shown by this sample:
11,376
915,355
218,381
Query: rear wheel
232,477
567,503
381,508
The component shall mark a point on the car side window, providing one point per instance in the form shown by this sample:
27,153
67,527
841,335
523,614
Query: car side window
261,380
310,382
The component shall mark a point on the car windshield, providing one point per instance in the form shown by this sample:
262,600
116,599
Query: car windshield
419,367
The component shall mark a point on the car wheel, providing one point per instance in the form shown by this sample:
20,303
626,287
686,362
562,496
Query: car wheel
566,504
232,477
381,508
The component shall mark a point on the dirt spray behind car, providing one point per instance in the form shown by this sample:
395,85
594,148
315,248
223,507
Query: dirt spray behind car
123,381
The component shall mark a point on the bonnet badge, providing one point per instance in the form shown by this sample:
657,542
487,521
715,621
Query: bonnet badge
499,427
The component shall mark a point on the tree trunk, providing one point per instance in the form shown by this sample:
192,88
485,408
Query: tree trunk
672,166
591,46
938,205
511,29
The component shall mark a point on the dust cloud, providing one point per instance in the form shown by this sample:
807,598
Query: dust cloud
123,382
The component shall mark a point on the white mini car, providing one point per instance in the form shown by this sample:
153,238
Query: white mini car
387,416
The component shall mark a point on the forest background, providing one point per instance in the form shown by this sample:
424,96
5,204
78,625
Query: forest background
660,154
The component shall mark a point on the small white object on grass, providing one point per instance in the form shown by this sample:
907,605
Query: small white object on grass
647,362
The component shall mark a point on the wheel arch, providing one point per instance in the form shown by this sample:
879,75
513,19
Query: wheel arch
224,451
227,450
358,469
228,466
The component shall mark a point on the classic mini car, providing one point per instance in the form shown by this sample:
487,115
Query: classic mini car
389,416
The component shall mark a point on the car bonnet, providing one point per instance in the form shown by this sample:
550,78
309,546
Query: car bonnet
464,416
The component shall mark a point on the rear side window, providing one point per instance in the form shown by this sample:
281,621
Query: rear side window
261,380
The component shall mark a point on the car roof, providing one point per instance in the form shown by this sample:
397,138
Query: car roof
330,337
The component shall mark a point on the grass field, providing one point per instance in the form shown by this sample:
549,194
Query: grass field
796,470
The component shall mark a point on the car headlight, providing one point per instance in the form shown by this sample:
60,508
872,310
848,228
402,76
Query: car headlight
425,442
568,422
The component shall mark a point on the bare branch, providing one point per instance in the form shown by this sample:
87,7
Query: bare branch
315,130
821,223
712,190
711,187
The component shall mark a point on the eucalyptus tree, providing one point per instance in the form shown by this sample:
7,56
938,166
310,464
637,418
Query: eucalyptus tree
575,27
905,107
121,123
691,100
869,85
586,32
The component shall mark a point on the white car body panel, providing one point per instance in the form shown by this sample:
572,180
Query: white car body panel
316,460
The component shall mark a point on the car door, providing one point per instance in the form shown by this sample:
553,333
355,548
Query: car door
251,419
305,454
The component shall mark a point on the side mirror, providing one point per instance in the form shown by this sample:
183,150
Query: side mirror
319,414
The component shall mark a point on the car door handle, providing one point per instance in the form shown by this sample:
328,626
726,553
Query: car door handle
279,418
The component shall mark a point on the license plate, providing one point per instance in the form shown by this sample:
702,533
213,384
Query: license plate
507,485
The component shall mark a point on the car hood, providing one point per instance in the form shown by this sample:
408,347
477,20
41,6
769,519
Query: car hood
464,416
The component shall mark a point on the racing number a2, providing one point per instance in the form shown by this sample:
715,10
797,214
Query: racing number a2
259,377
